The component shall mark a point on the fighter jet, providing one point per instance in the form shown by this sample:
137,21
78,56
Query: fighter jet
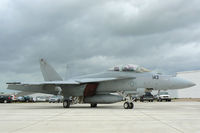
98,88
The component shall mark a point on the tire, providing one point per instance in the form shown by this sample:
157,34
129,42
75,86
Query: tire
169,100
66,104
126,105
93,105
131,105
5,101
160,100
136,100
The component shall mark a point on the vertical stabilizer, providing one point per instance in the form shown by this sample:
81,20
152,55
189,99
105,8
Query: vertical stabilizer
48,72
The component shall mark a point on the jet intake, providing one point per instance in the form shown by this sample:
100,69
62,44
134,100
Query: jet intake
104,99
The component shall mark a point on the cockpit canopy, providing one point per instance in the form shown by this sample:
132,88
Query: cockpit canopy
130,68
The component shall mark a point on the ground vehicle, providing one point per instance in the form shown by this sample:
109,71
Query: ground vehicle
163,96
20,99
42,99
55,99
147,97
25,99
14,99
5,99
28,99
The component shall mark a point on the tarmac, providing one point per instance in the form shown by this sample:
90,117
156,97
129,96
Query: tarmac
165,117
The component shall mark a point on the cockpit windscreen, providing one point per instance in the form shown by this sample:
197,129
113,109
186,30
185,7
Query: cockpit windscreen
130,68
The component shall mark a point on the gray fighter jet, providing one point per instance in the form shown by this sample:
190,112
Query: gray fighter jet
98,88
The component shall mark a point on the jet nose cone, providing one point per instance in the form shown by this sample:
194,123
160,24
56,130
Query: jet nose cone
186,84
190,84
179,83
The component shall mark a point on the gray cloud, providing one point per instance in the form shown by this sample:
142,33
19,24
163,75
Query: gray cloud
95,35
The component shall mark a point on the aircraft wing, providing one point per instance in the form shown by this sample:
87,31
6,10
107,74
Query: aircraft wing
92,80
68,82
49,86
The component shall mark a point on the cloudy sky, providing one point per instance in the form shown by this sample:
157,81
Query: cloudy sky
92,36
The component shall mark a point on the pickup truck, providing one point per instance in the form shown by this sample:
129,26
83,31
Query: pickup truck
147,97
163,96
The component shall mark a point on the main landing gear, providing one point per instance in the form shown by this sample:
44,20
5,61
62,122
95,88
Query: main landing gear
93,105
66,103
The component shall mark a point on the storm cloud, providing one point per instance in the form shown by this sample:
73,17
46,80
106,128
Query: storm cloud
92,36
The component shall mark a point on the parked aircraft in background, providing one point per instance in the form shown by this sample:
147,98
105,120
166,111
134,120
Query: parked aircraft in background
97,88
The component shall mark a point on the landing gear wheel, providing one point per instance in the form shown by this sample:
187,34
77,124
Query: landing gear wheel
66,104
93,105
131,105
126,105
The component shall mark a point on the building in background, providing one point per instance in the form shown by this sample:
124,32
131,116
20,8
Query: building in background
193,92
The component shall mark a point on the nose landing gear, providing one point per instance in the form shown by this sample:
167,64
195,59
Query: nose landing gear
128,105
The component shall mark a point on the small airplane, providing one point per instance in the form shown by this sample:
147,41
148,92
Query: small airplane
98,88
